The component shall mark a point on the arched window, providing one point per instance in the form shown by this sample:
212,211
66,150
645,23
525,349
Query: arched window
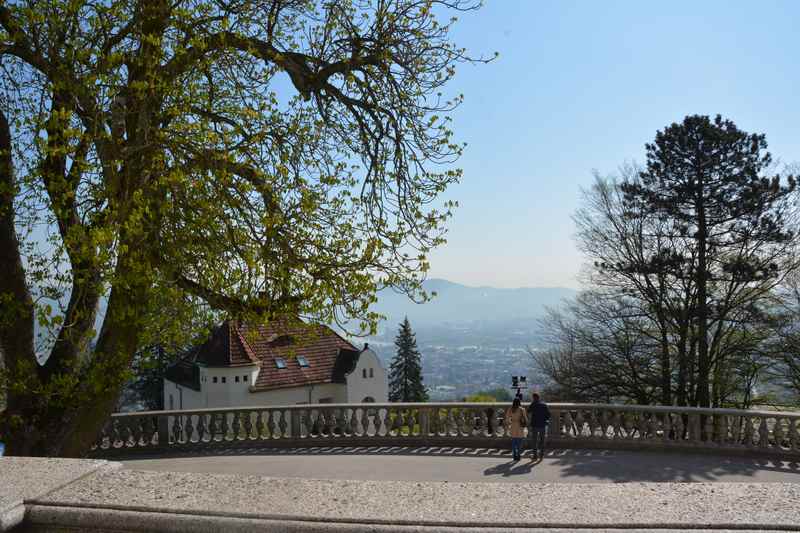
364,373
368,399
371,373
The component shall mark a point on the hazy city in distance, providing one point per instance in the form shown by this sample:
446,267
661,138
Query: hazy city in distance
471,338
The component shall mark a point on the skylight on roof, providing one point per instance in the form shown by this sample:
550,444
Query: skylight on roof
280,362
302,361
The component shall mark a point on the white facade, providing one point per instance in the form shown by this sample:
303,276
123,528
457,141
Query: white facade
369,381
231,387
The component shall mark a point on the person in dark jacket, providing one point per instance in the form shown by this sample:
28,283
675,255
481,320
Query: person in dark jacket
539,418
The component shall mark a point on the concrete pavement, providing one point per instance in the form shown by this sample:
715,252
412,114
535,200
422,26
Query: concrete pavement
486,465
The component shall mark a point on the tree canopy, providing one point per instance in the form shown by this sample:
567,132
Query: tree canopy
174,158
685,259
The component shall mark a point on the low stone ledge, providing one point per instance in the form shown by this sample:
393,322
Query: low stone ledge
25,478
127,500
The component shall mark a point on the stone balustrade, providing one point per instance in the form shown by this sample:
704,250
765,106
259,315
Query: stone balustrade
573,425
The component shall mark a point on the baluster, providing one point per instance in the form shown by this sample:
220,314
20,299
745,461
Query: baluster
365,422
385,421
679,427
777,433
322,423
580,422
666,431
453,423
201,428
763,433
188,429
794,436
691,428
568,424
283,425
248,425
709,429
177,430
226,427
616,425
412,422
213,428
591,422
236,425
722,430
394,428
461,424
748,432
484,423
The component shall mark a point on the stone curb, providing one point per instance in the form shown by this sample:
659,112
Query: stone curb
45,518
42,477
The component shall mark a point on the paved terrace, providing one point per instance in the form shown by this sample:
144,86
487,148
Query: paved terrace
452,464
39,495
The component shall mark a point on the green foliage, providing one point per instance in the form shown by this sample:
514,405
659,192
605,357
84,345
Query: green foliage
492,395
180,159
405,372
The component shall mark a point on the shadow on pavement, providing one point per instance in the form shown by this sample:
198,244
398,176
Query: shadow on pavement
603,465
627,466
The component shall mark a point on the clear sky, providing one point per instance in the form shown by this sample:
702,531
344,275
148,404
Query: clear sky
583,85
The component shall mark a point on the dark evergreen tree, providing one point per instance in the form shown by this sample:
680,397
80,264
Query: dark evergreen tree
709,179
405,374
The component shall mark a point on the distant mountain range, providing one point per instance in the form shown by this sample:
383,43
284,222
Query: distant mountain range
460,303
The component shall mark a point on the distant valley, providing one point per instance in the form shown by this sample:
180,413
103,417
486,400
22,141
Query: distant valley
470,338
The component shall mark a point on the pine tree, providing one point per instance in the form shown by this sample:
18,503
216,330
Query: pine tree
405,374
710,180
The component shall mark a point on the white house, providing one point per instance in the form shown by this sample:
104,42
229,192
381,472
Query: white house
283,363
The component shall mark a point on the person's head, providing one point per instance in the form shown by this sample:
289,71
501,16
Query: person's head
515,404
535,397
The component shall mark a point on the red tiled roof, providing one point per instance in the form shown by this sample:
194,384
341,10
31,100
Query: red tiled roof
225,347
329,356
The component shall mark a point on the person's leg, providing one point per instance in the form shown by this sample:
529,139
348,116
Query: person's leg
532,439
540,441
515,447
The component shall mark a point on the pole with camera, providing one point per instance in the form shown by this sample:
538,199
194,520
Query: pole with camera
518,383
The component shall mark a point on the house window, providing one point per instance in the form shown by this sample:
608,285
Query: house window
371,374
223,379
280,362
326,400
302,361
364,373
171,402
245,378
237,379
214,379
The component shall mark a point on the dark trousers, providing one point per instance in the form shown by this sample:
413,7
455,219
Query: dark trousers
537,440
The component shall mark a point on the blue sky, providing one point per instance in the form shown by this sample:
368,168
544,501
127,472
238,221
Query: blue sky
584,85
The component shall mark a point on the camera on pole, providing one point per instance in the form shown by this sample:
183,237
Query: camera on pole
518,383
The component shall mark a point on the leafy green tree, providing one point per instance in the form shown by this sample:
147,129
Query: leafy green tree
405,373
261,158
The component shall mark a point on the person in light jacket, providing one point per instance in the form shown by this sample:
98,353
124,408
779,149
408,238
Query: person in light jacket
515,426
539,415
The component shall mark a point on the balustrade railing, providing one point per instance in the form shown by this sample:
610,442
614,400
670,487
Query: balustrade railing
449,424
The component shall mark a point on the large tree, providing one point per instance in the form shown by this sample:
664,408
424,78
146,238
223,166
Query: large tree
711,181
405,373
258,157
640,235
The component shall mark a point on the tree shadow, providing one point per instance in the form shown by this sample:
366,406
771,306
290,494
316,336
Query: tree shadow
593,464
635,466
